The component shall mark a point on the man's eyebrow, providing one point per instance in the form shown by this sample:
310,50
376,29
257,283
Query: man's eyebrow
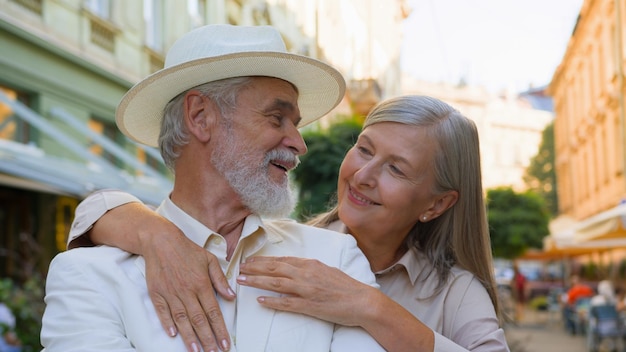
284,105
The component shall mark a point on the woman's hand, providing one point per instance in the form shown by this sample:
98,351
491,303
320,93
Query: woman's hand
181,279
310,288
327,293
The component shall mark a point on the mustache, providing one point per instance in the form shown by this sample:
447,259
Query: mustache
283,157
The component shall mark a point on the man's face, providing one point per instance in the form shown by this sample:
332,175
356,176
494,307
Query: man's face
260,145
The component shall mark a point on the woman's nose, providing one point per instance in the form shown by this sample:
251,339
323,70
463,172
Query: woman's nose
366,174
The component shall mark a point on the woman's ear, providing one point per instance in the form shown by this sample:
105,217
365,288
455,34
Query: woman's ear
199,115
442,203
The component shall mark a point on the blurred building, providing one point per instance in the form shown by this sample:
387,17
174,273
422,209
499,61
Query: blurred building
66,64
588,93
510,126
361,38
590,130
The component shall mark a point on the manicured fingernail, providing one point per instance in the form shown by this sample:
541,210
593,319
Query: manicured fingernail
172,331
225,345
231,292
242,278
261,299
195,347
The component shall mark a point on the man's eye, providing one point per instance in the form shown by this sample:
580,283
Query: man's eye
364,150
277,118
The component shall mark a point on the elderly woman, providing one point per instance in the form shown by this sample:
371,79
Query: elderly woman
410,193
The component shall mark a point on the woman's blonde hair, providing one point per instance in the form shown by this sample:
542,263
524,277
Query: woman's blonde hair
460,235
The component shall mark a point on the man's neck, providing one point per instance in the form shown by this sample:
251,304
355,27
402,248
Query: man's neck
221,213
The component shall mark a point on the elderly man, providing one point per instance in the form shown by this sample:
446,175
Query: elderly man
224,112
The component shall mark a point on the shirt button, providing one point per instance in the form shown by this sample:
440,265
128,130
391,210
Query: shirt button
229,275
217,240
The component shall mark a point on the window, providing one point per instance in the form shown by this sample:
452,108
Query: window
34,6
102,31
197,12
153,18
101,8
11,126
145,158
108,130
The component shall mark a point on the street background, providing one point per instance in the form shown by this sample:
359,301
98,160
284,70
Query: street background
542,332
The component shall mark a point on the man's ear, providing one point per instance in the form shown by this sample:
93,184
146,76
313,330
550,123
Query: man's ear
199,115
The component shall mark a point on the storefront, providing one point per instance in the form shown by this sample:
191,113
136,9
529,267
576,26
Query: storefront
58,143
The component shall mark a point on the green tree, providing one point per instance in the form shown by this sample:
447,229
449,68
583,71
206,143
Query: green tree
317,175
517,221
541,175
26,303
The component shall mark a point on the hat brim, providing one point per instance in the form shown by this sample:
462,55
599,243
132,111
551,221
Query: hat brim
139,114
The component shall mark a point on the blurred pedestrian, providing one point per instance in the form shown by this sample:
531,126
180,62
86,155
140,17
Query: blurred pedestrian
602,321
605,296
576,296
519,292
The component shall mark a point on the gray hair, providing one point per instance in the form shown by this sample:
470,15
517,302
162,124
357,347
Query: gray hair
460,235
174,134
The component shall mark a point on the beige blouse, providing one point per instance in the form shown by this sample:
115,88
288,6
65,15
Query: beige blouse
461,315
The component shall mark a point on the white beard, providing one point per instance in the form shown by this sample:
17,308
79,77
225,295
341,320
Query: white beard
252,181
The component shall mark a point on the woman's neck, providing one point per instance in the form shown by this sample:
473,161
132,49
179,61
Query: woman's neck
381,255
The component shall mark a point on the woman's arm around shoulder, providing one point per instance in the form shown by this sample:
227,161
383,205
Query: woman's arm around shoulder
181,276
93,208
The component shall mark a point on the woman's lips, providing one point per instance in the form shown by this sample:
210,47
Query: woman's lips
359,198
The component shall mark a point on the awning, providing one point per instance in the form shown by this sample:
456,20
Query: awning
600,233
29,167
21,183
562,253
608,225
80,172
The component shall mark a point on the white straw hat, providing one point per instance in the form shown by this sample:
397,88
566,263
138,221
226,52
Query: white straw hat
215,52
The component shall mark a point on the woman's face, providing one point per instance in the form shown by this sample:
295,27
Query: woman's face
386,182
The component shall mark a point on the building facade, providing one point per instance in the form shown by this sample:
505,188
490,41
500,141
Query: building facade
361,38
590,138
510,127
588,92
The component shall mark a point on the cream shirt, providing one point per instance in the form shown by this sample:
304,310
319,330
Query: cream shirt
97,298
461,315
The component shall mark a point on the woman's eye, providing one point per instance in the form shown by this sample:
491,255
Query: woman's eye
396,170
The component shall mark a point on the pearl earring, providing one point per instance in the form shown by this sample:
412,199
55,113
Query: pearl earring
424,218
